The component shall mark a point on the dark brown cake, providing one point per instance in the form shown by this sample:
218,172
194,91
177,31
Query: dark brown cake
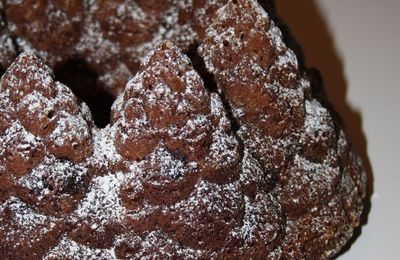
227,155
110,36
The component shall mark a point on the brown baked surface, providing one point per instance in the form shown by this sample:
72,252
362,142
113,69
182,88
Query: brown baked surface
226,153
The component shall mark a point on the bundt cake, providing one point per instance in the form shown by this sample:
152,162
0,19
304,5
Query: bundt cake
216,146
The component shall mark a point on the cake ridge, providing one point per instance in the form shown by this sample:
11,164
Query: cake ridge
282,95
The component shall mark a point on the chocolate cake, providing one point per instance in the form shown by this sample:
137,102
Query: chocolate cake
217,145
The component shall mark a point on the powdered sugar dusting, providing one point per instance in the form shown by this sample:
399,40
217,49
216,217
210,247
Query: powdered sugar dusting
69,249
102,203
173,176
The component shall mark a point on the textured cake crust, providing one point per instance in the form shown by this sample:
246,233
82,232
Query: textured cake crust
225,156
111,36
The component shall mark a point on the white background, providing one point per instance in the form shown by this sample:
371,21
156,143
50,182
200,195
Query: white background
356,46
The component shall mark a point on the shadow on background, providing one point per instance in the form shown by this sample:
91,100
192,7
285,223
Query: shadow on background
317,49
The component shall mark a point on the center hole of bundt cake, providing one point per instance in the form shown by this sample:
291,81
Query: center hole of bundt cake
83,82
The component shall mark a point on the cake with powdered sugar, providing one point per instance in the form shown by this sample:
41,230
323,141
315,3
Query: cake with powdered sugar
217,147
